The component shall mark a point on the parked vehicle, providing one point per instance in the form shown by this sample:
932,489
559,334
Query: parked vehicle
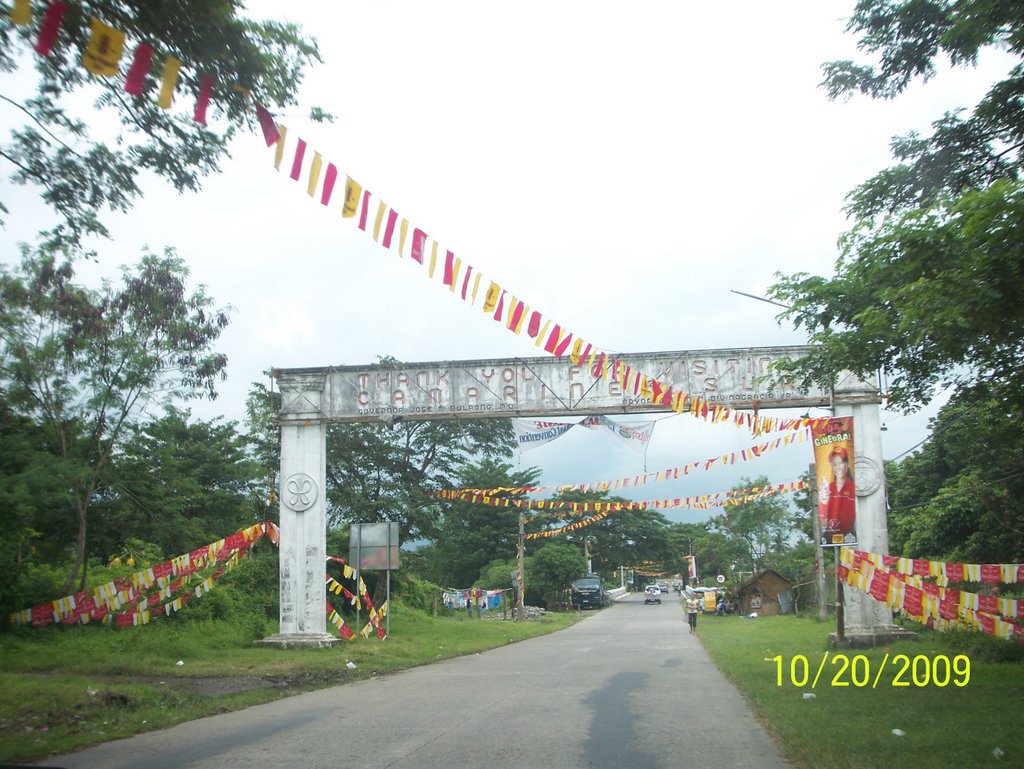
588,593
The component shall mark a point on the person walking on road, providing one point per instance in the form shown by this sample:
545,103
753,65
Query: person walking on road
692,607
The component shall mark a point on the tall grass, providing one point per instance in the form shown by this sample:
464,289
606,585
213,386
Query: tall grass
852,727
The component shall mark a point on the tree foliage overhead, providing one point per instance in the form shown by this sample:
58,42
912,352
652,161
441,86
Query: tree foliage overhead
88,165
929,284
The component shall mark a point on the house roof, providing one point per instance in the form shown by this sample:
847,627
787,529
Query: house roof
749,581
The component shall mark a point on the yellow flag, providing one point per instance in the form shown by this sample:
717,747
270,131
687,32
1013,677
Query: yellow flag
170,80
381,210
402,232
433,260
491,297
314,174
21,13
103,52
352,192
279,149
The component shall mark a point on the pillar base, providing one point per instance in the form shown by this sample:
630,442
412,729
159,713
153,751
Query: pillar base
301,641
866,638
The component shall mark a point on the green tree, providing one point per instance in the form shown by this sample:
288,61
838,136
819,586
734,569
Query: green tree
555,565
84,170
959,497
379,473
180,483
764,527
84,364
263,436
928,285
470,536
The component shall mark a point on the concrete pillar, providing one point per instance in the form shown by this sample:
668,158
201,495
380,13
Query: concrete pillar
867,621
303,516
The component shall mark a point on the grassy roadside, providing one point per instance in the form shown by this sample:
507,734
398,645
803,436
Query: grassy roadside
851,727
68,688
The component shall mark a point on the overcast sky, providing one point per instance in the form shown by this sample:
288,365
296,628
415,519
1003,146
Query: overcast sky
621,167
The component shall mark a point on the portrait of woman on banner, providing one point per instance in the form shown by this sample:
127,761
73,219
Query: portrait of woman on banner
837,500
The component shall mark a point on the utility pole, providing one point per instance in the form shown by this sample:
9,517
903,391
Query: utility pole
521,570
819,564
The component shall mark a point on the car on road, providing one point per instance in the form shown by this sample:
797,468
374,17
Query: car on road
652,594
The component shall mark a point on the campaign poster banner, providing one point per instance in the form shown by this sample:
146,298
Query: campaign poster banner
634,435
837,492
530,433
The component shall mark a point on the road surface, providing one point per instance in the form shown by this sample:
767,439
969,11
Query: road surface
626,688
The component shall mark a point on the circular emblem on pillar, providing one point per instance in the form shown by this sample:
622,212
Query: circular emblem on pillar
299,492
868,475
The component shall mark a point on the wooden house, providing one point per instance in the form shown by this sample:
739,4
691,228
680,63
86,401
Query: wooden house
765,592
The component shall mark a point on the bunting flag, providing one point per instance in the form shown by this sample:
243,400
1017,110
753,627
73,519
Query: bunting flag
658,476
50,28
922,590
205,92
156,591
142,61
516,314
21,13
169,81
703,502
272,133
102,54
554,338
359,599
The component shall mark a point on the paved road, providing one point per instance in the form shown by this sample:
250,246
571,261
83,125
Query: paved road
627,688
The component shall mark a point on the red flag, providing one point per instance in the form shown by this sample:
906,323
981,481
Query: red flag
449,259
419,239
50,28
533,327
913,601
501,306
880,585
270,132
990,573
950,605
205,90
988,603
300,151
552,342
330,177
362,214
389,229
142,60
955,572
563,345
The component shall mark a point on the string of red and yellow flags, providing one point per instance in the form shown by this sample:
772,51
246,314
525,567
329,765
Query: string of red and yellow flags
392,231
102,57
106,47
702,502
166,587
337,588
659,476
921,589
152,592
